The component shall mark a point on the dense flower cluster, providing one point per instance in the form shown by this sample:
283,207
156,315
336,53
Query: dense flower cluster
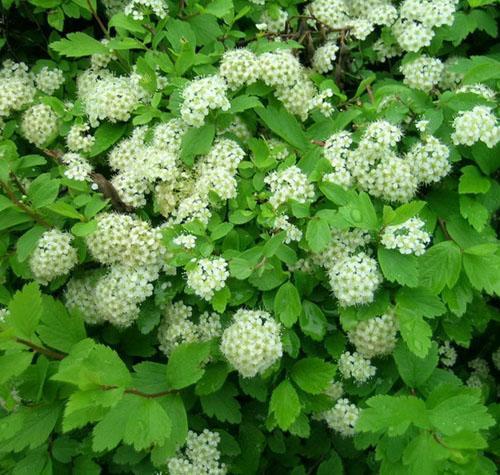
335,390
447,354
408,237
239,67
54,256
80,296
354,365
354,279
342,417
138,8
375,336
207,277
293,233
78,167
49,80
17,89
289,184
200,456
422,73
78,138
252,343
39,124
429,159
478,124
274,22
177,327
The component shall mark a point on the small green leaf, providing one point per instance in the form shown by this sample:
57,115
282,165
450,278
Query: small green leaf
197,141
78,44
26,310
318,234
414,370
397,267
472,181
287,305
440,266
185,365
313,375
285,404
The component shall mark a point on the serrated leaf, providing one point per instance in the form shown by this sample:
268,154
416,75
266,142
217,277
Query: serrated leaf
420,301
393,414
472,181
440,266
222,405
197,141
285,404
313,375
213,379
482,272
397,267
318,234
106,135
415,331
78,44
422,455
26,310
415,370
287,305
26,244
185,364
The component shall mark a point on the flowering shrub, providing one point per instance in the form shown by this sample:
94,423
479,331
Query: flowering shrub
249,236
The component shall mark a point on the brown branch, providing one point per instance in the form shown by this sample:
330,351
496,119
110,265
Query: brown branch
40,349
442,225
137,392
98,20
26,209
18,183
109,191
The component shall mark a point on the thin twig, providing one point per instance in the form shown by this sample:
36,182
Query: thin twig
98,20
442,225
137,392
26,209
40,349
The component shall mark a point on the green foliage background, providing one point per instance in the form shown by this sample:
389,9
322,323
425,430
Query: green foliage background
96,399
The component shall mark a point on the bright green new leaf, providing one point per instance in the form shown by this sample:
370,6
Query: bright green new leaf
313,375
26,310
78,44
285,404
414,370
440,266
397,267
287,305
318,234
185,364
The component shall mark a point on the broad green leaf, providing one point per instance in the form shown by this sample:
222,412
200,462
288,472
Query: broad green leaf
404,212
313,375
185,364
423,454
318,234
392,414
285,404
222,404
13,364
78,44
474,212
420,301
106,135
213,379
26,309
287,305
312,321
482,271
415,331
414,370
197,141
472,181
397,267
440,266
27,243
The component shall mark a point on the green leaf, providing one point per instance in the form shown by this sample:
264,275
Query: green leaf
397,267
472,181
482,271
313,375
420,301
318,234
242,103
440,266
359,212
285,125
26,244
58,329
139,422
13,364
222,405
285,404
312,321
197,141
392,414
185,365
90,365
423,454
84,229
213,379
414,370
26,310
287,305
220,8
43,192
106,135
404,212
64,209
415,331
474,212
78,44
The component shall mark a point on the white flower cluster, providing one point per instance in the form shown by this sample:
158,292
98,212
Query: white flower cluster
187,241
324,57
450,79
422,73
293,233
114,6
429,160
342,417
177,327
102,60
385,51
252,342
274,22
480,372
126,240
414,28
80,295
478,124
17,89
335,390
354,279
238,128
202,95
78,138
239,67
495,357
408,237
375,166
354,365
108,97
289,184
168,135
138,8
200,456
39,124
54,256
447,354
375,336
207,277
78,167
277,149
479,89
49,80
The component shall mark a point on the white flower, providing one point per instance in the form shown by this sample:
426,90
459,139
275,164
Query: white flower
289,184
208,276
293,233
80,295
356,366
17,88
275,22
187,241
138,8
239,67
478,124
39,125
342,417
447,354
408,237
78,167
78,140
252,343
422,73
49,80
54,256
